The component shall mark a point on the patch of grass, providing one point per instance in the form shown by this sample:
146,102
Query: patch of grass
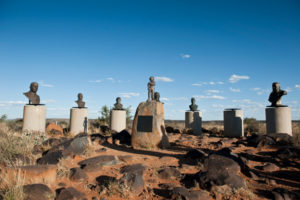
12,190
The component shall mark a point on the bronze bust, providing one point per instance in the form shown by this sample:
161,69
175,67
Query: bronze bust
118,105
34,99
276,94
151,86
157,96
80,103
193,106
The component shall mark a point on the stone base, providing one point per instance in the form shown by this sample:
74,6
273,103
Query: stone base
193,120
118,120
77,117
148,128
233,123
34,118
279,120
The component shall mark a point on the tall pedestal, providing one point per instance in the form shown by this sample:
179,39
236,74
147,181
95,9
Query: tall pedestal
118,120
34,118
279,120
233,123
78,118
193,120
148,128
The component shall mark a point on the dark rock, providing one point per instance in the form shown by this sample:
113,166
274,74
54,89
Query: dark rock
220,170
274,139
70,193
124,137
37,192
136,168
54,141
183,193
95,163
99,138
287,153
50,158
107,182
169,173
169,129
78,175
195,156
134,181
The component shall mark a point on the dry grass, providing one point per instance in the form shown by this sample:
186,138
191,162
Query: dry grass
14,145
12,189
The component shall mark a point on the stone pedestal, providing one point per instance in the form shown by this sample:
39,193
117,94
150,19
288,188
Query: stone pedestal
233,123
77,120
34,118
279,120
118,120
193,120
148,128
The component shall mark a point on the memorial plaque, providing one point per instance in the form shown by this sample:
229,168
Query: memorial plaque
144,123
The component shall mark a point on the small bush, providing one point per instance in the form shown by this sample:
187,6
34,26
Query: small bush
251,125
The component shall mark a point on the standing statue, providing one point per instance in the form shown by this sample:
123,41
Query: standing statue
151,86
193,106
31,95
80,103
157,96
276,94
118,105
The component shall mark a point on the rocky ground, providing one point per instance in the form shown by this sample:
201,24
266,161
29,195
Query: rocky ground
97,166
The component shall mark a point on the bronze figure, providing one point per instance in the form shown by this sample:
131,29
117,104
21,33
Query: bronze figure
34,99
276,94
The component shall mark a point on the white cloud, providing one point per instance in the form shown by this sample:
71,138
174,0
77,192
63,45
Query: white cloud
42,84
297,86
208,83
48,101
174,98
260,91
235,78
110,79
11,103
256,89
95,81
163,79
234,89
185,56
288,89
209,97
129,94
164,99
209,92
247,103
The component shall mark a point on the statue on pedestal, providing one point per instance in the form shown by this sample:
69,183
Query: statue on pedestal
34,99
276,94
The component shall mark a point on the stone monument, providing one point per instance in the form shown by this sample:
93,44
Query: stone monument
118,117
233,122
193,118
148,128
79,117
278,116
34,115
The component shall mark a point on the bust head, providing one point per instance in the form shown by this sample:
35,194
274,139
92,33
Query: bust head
151,78
34,87
193,100
276,87
118,100
157,96
80,96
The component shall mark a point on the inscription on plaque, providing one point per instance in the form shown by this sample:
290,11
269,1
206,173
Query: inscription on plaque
144,123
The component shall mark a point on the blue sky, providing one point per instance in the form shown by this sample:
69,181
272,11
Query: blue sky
224,53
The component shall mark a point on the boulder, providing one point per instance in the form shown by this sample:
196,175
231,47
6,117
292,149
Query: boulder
37,192
70,193
96,163
54,130
169,173
123,137
78,175
273,139
148,129
183,193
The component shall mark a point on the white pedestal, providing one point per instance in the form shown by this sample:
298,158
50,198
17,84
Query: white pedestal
193,120
77,118
34,118
279,120
118,120
233,123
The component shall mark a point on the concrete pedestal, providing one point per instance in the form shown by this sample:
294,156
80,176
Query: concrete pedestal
279,120
193,120
34,118
233,123
77,120
118,120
